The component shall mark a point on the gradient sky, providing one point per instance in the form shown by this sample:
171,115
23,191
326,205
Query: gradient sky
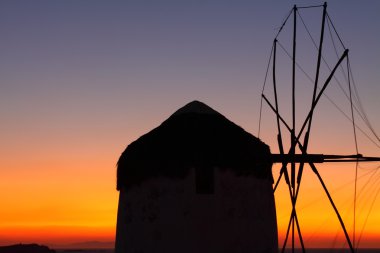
80,80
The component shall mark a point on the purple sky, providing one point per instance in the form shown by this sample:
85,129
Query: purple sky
92,62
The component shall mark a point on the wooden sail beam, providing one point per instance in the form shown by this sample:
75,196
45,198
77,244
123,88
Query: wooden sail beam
307,134
320,158
326,158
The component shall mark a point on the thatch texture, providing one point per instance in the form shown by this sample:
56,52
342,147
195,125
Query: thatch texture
195,136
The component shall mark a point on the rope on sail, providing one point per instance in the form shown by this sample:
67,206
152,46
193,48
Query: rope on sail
367,121
283,23
262,90
310,6
329,99
290,12
330,21
357,152
358,106
369,212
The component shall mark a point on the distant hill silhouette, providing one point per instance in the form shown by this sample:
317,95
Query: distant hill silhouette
26,248
86,245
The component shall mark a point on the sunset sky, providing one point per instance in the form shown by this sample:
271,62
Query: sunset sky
80,80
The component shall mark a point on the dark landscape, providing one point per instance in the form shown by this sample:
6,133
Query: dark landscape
35,248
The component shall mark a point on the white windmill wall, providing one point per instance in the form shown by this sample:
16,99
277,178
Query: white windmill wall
167,215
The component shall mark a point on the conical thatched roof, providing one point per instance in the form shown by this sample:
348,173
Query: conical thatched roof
194,136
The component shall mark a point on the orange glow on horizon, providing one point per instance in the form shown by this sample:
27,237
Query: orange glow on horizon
76,216
58,200
64,194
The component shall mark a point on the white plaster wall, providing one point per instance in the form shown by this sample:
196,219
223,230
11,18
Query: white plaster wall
166,215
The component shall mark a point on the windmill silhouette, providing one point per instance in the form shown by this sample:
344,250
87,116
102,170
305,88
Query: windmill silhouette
294,160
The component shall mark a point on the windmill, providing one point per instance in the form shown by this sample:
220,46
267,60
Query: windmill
294,159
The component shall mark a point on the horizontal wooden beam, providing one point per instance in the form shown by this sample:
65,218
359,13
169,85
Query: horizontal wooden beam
320,158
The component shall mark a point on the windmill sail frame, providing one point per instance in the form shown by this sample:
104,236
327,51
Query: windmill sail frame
291,159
